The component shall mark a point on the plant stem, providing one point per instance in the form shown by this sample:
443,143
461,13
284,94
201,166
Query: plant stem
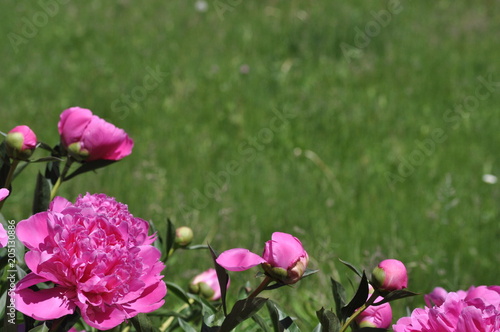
359,311
261,287
9,178
60,180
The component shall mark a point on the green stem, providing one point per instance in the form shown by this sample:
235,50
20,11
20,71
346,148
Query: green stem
261,287
60,180
359,311
9,178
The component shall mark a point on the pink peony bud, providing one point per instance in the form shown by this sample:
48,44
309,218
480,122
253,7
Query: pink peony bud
376,316
284,258
390,275
183,236
21,141
207,285
87,137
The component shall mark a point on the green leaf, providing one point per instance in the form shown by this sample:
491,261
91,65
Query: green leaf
41,199
280,320
242,310
261,322
222,277
206,328
169,238
142,323
352,267
338,295
178,291
395,295
328,320
358,300
185,326
89,166
39,328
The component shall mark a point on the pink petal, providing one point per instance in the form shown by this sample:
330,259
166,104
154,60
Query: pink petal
45,304
4,193
72,124
150,300
105,141
4,238
239,259
102,320
58,204
33,231
283,250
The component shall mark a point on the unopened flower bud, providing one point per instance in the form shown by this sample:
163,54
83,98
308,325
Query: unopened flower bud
183,236
390,275
21,141
206,285
76,151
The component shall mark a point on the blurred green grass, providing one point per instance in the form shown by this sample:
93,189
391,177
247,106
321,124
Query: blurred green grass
223,76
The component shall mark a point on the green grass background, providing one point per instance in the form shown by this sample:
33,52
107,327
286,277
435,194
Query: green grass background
322,174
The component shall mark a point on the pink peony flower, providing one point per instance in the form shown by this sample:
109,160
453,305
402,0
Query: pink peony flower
88,137
21,141
4,237
99,258
390,275
284,259
206,284
474,310
376,316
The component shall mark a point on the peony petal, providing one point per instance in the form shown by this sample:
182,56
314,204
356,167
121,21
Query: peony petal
72,124
33,231
105,141
45,304
4,238
102,320
150,300
58,204
283,250
239,259
4,193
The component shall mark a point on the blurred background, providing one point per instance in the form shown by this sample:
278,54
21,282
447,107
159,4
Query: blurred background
367,130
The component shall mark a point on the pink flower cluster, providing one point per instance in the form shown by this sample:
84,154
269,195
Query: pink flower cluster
474,310
99,258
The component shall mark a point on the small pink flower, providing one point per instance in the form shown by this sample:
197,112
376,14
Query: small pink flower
4,193
21,141
390,275
4,238
207,285
99,258
284,258
376,316
88,137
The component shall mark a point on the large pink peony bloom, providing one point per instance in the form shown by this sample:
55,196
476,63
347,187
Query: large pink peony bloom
474,310
4,238
89,137
99,257
284,258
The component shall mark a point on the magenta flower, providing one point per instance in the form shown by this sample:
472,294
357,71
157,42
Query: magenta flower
4,238
99,258
474,310
21,141
376,316
284,259
88,137
390,275
207,285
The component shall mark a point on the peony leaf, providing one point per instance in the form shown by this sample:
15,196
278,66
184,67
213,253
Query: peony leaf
358,300
328,320
338,295
89,166
352,267
185,325
169,239
142,323
242,310
39,328
178,291
41,197
395,295
222,277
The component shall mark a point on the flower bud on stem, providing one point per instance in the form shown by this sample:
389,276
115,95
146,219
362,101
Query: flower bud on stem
360,310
